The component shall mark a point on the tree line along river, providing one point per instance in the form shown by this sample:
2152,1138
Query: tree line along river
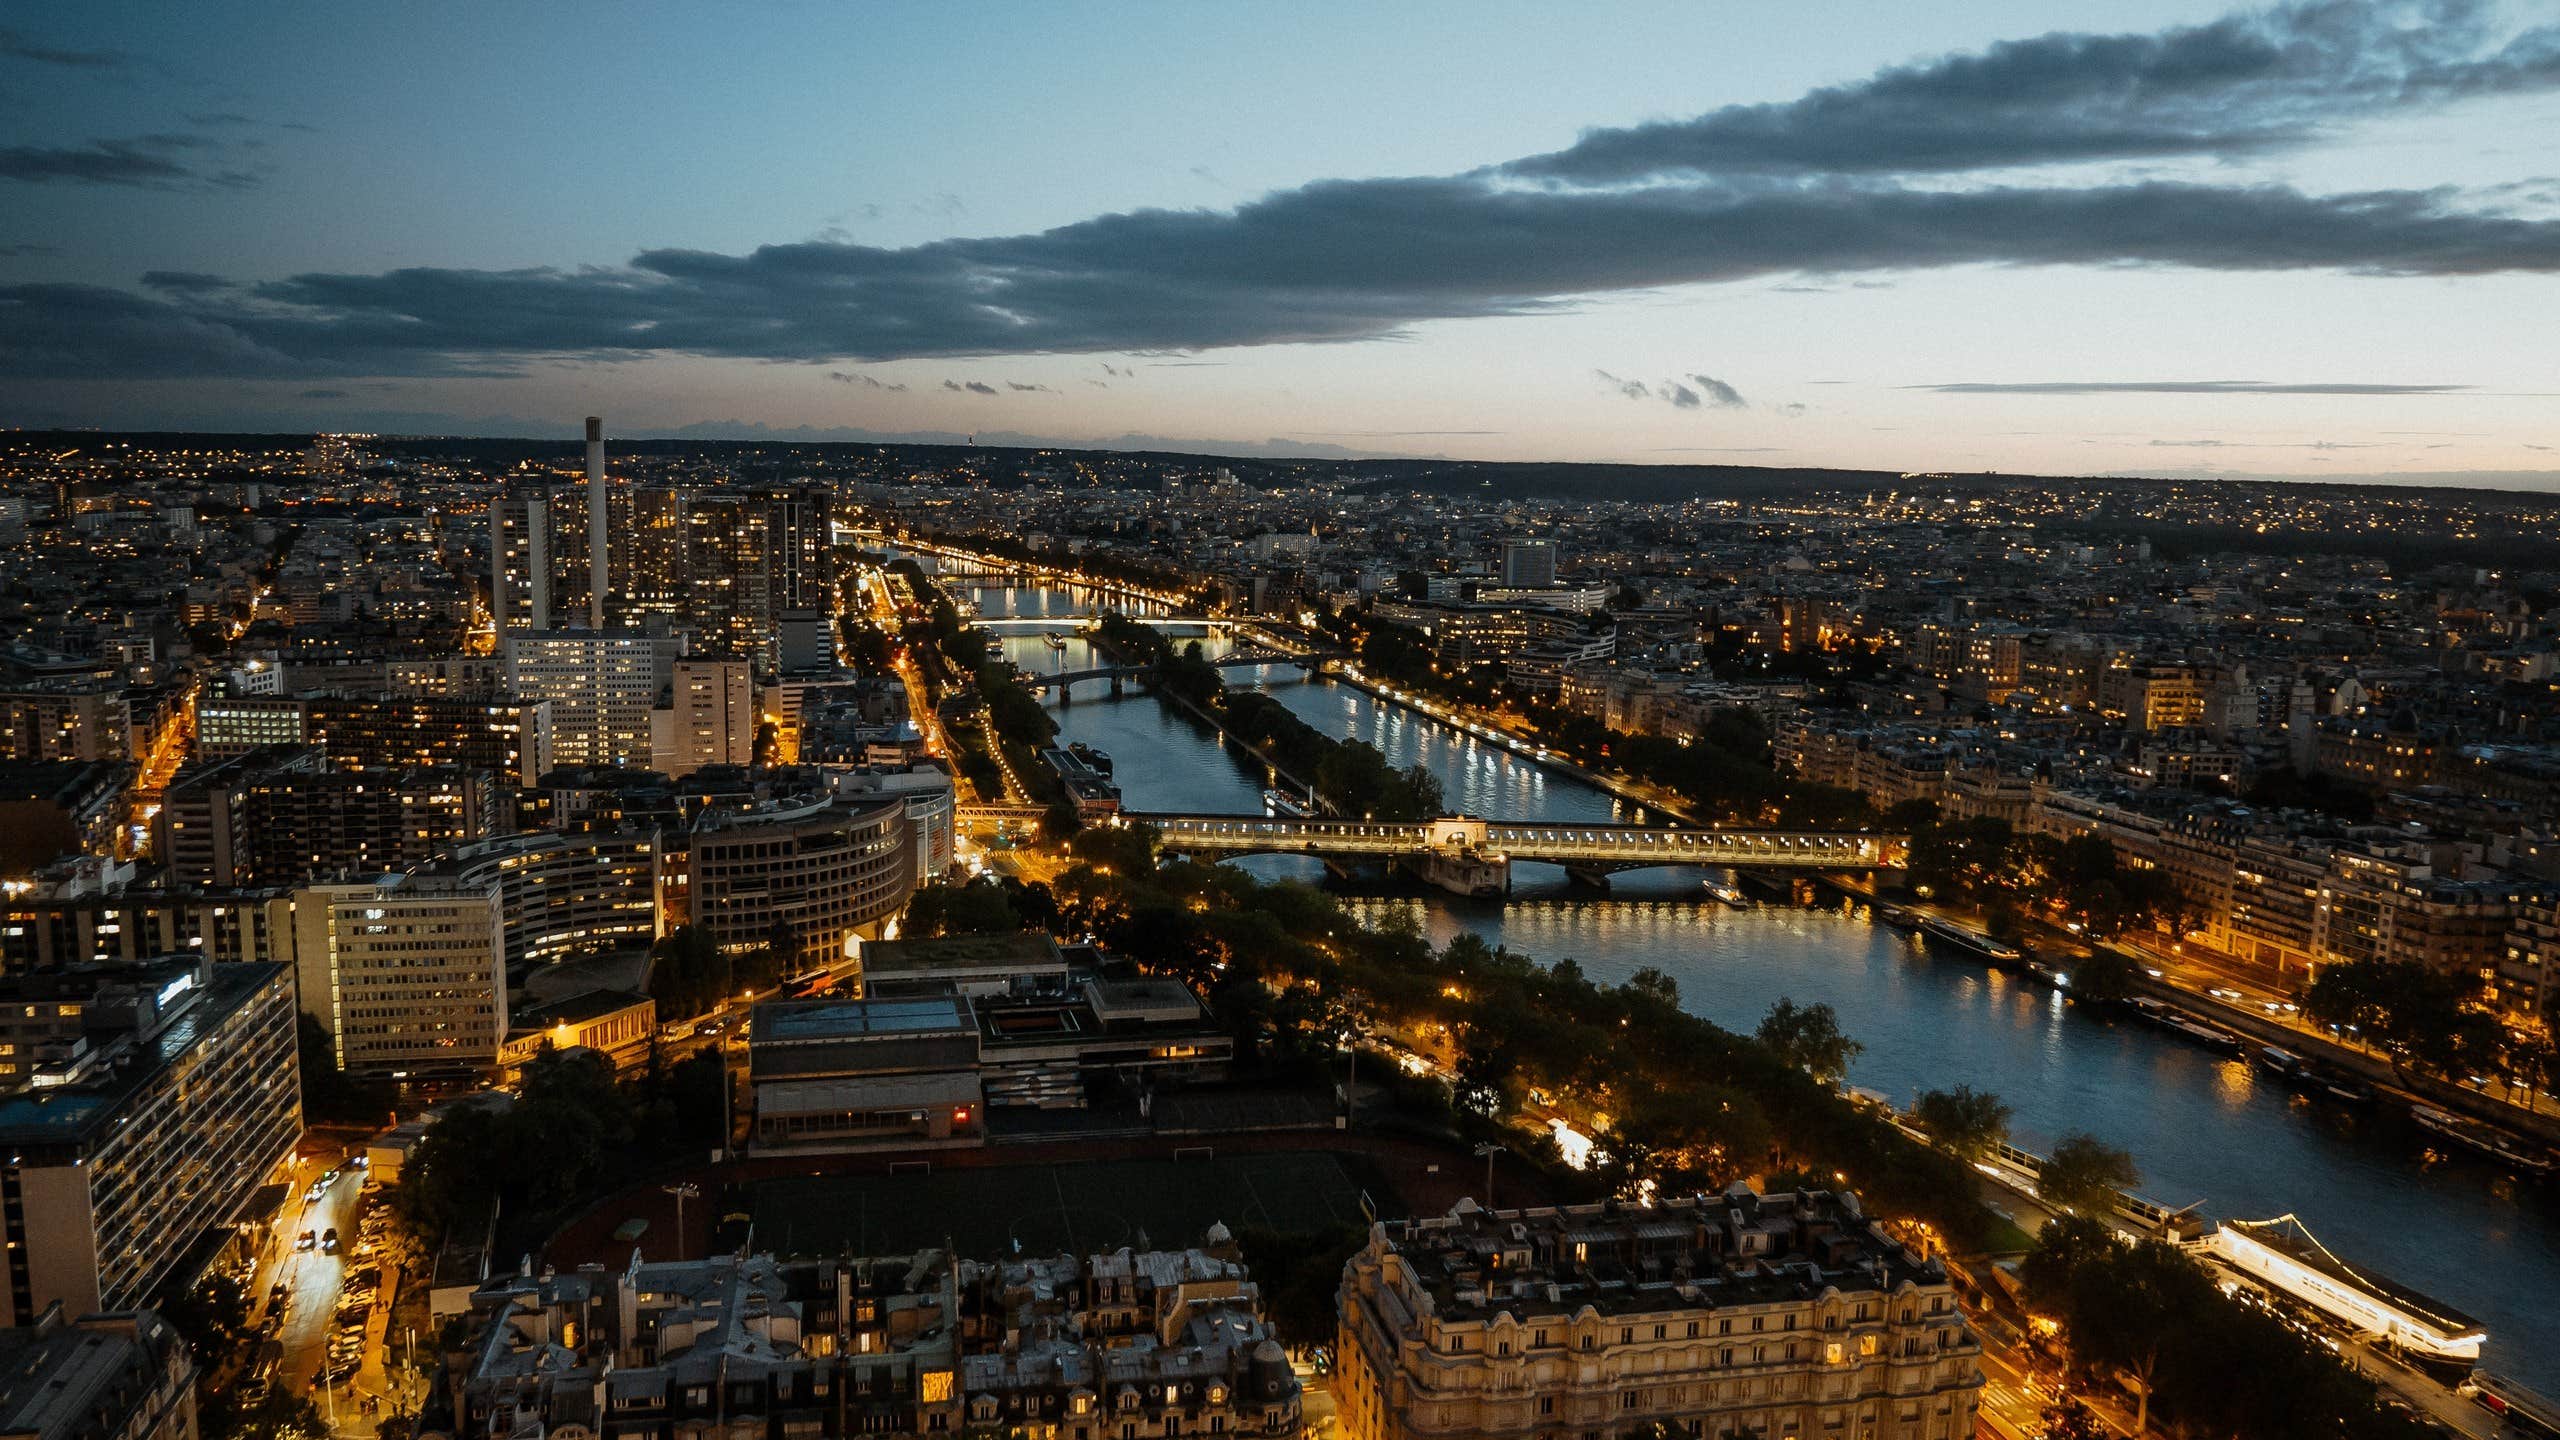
2202,1127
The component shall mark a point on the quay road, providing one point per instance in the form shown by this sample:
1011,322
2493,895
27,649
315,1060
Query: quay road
1595,847
2200,1125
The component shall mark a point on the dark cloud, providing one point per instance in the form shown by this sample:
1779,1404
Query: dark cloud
218,118
1718,393
972,387
187,282
18,45
1694,393
324,394
28,248
149,161
1765,193
1020,388
2184,387
844,378
2239,84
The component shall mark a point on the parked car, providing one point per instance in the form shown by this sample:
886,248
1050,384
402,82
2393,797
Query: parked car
305,1241
329,1241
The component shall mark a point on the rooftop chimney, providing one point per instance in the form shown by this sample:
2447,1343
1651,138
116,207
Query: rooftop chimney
595,522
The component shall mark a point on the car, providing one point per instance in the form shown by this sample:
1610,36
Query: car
329,1241
2225,992
312,1195
305,1241
276,1293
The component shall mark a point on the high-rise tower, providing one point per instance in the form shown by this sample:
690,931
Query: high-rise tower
596,514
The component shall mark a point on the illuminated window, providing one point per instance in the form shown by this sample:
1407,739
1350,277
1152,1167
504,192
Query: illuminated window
937,1387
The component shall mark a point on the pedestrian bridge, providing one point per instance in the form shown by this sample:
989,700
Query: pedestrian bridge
1589,851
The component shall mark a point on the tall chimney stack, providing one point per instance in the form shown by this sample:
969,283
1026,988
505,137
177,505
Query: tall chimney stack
596,576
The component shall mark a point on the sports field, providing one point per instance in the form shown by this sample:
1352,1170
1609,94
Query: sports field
1081,1208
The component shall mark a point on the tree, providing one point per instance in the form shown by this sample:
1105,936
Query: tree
329,1094
687,973
2103,977
2084,1173
1965,1120
1808,1038
2420,1018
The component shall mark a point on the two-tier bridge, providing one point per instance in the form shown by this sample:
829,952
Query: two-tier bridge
1246,656
1474,856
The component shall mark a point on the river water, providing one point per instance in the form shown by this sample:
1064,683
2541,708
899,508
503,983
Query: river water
2203,1128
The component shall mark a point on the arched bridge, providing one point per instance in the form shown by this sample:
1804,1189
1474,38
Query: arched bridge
1463,852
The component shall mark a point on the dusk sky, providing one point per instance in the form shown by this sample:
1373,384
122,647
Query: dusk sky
2139,237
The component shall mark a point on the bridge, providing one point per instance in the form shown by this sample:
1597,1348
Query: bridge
1242,657
1473,856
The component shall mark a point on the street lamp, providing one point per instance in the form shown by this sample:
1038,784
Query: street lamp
683,1191
1488,1150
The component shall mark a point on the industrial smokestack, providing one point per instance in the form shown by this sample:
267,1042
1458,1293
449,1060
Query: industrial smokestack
595,522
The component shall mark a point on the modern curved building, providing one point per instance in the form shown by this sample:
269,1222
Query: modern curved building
564,893
808,876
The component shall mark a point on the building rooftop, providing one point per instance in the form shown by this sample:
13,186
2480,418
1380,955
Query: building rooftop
71,1114
1694,1252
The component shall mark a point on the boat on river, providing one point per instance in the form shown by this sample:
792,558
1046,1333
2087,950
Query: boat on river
2187,1027
1280,802
1729,893
1998,952
2288,1260
2486,1140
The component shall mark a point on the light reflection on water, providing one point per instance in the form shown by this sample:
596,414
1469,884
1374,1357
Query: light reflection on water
2202,1127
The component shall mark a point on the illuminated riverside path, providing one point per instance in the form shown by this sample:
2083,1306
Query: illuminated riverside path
2201,1127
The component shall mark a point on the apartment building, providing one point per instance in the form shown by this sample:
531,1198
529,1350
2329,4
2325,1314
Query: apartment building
602,685
1707,1315
121,1376
805,876
144,1107
406,973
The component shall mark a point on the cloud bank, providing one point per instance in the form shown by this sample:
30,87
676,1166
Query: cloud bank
1902,171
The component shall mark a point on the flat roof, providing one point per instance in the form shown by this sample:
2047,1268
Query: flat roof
1030,950
577,1009
887,1092
67,1114
784,1022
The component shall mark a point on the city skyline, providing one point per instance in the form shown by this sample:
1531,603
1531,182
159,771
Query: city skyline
2171,239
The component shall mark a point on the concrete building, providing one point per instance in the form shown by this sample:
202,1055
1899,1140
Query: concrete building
1739,1313
66,718
602,685
561,893
406,973
616,1024
932,810
1528,564
809,877
958,1030
119,1376
707,717
144,1107
281,816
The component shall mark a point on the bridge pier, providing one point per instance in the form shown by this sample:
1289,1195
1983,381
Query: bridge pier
1590,877
1475,876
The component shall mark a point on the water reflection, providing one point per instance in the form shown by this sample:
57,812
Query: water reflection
2201,1126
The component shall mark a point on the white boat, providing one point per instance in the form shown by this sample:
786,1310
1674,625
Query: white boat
1729,893
1282,803
2286,1258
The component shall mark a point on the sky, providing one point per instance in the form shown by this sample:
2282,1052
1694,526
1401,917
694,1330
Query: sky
2132,237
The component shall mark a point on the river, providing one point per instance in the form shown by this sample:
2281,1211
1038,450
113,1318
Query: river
2202,1128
